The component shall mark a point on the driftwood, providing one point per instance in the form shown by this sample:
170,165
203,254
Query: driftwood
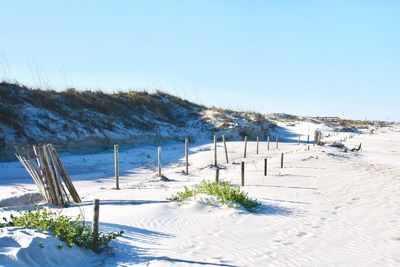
353,149
356,149
346,149
47,171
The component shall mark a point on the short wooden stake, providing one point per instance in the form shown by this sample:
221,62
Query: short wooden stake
215,151
245,147
257,144
308,139
217,175
95,225
277,142
116,166
159,161
242,172
282,161
265,167
226,150
187,155
268,143
308,148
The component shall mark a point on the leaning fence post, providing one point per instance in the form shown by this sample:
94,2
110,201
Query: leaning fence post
159,161
282,161
242,172
215,151
245,146
226,150
95,226
258,140
116,166
265,167
187,155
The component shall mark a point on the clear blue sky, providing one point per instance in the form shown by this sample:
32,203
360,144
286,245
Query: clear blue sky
301,57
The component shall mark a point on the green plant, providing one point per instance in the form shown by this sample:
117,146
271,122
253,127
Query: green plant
224,191
71,231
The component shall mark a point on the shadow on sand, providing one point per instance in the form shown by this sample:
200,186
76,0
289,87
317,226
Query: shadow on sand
124,202
142,246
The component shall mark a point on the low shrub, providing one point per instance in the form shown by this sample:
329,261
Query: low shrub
71,231
7,115
224,191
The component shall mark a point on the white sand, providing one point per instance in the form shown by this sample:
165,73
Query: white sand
325,208
26,247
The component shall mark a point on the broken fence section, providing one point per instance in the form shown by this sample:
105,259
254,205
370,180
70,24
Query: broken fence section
47,171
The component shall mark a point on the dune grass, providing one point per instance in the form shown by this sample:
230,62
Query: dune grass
71,231
224,191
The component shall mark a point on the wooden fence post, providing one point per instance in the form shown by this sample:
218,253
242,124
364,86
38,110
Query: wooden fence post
242,173
265,167
159,161
187,155
268,142
226,150
95,225
308,139
258,140
116,166
282,161
277,142
299,140
245,146
217,175
215,151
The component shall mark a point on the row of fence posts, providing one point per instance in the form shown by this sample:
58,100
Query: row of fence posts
186,158
116,157
258,142
243,167
96,203
245,155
